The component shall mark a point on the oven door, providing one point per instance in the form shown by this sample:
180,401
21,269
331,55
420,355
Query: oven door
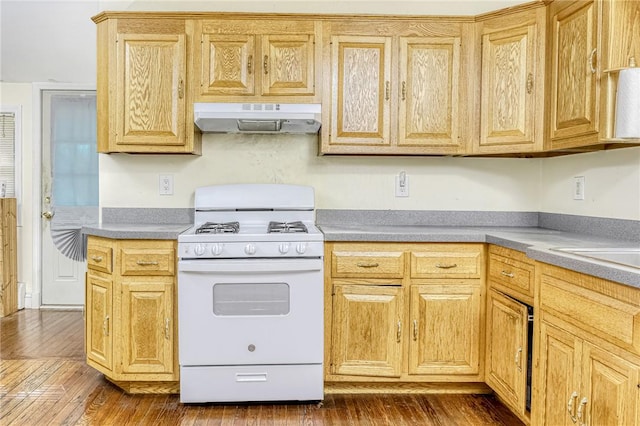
250,311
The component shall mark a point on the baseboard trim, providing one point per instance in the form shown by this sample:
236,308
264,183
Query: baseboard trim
405,388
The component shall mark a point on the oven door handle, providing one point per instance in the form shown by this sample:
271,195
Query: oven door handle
251,266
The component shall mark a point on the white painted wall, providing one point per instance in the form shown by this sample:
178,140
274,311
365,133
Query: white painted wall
438,183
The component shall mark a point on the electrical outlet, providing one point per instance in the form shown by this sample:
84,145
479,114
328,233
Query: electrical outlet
165,183
578,188
402,185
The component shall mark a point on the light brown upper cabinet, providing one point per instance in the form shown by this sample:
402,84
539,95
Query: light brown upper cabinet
395,88
143,86
590,42
512,97
575,72
265,61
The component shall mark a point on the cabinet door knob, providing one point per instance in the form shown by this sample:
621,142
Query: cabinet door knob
367,265
96,259
583,403
592,56
415,330
265,65
404,90
250,64
570,408
517,359
399,333
167,335
147,263
530,83
507,274
105,326
181,89
387,90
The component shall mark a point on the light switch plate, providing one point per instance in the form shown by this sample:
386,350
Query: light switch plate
578,188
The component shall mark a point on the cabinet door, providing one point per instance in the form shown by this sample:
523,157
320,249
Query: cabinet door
288,65
360,73
609,388
150,92
508,97
429,81
99,321
445,329
367,331
147,325
228,64
575,75
507,349
557,388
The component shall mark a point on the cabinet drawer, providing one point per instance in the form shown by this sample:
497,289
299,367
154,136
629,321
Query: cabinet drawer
600,307
463,262
511,273
99,258
355,264
147,261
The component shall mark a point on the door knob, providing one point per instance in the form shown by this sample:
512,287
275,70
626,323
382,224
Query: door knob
48,215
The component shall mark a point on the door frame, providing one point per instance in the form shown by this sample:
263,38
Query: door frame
34,299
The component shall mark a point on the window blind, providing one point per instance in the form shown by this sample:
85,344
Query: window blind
7,154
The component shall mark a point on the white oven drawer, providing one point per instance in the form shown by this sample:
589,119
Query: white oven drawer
239,312
251,383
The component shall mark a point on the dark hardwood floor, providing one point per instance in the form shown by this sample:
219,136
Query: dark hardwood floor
45,381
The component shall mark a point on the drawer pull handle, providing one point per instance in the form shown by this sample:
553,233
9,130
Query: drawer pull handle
147,263
530,83
446,266
387,91
250,64
399,333
367,265
96,259
570,408
415,330
181,89
518,355
167,321
265,65
507,274
404,90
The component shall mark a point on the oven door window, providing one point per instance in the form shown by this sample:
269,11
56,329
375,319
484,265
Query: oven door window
249,299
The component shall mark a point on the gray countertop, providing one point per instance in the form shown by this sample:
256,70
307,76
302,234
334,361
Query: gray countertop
137,231
536,243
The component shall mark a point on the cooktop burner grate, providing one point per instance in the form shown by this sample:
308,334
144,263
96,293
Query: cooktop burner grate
286,227
219,228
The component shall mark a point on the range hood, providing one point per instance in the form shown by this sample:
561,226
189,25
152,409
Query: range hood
257,118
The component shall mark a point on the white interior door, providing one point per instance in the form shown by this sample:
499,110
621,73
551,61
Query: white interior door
69,191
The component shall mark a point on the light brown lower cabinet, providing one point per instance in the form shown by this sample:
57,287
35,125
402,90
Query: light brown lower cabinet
404,312
131,330
588,370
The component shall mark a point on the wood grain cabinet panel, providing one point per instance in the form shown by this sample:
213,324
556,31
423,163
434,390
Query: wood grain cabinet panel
588,367
367,339
429,99
394,317
445,329
228,66
131,331
144,95
147,339
268,61
507,349
361,78
575,73
99,322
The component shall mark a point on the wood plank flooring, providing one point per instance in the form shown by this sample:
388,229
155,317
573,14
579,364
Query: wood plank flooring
45,381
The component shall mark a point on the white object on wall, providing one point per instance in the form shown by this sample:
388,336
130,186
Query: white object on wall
628,104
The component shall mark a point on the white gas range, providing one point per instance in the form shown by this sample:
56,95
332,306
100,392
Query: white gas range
250,296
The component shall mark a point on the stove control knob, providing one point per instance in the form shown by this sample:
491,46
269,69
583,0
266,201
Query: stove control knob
301,248
199,249
250,249
283,248
216,249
